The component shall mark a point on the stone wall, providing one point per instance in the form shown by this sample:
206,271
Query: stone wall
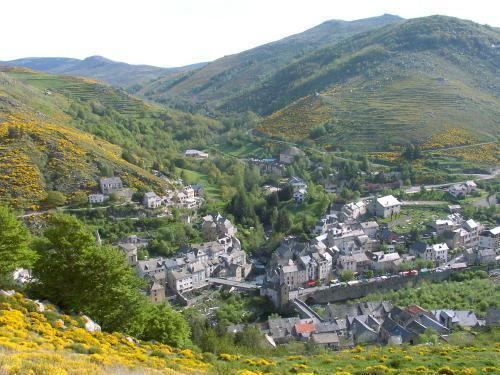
344,293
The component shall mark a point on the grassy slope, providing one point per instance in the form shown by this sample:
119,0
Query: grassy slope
400,83
53,343
40,151
33,342
74,118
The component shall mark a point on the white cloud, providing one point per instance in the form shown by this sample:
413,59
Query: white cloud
179,32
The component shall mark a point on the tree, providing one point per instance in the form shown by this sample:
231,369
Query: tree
75,273
14,244
55,199
79,198
250,337
346,275
283,223
286,193
272,199
166,325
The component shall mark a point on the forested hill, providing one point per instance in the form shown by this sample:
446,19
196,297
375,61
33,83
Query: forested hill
401,82
100,68
60,133
217,82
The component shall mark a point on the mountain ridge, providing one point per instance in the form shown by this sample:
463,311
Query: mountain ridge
98,67
216,82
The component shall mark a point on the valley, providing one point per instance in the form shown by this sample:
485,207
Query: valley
324,203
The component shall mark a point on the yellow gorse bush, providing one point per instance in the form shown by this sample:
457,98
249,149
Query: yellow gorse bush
34,344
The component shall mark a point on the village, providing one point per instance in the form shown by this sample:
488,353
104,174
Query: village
352,247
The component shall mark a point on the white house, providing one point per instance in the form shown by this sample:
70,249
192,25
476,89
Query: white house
151,200
438,253
387,206
196,154
97,198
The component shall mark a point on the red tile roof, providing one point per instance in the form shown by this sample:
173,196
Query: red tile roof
414,309
306,327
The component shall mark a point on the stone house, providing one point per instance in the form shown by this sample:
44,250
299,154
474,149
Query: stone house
326,339
386,206
385,262
156,291
288,156
453,318
151,200
215,226
130,251
490,239
110,184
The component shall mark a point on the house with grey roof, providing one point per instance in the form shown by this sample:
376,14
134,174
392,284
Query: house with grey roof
110,185
453,318
326,339
151,200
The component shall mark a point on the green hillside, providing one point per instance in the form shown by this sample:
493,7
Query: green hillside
401,83
63,133
217,82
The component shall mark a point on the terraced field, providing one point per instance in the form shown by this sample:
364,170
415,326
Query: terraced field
378,116
82,89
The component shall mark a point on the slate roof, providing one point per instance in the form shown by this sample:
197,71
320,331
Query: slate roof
325,338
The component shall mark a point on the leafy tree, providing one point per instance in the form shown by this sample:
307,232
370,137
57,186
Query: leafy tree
55,199
14,244
166,325
79,198
346,275
250,337
78,275
75,273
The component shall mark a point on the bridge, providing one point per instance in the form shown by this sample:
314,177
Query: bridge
235,284
305,311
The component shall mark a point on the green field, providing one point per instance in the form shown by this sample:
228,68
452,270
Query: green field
194,177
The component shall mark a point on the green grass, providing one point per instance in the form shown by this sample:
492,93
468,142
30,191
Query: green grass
247,150
477,295
193,177
476,355
418,217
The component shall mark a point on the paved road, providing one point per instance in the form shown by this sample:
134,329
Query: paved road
422,203
458,147
486,201
38,213
416,189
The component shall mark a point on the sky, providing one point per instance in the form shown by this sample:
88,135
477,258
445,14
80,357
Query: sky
181,32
